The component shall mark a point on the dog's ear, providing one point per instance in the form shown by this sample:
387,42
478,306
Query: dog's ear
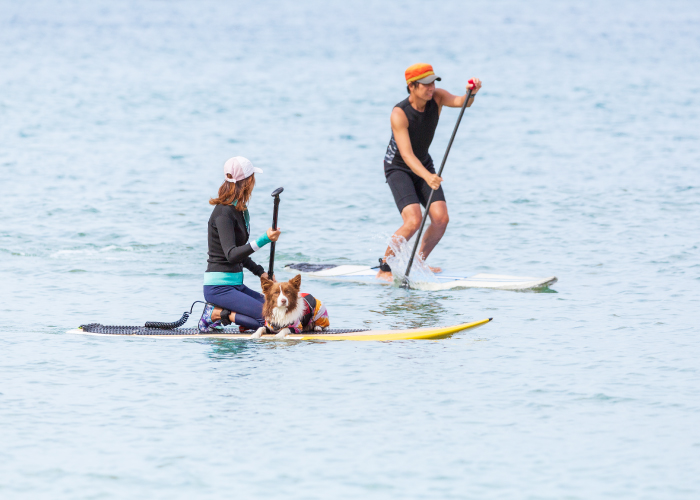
266,284
296,281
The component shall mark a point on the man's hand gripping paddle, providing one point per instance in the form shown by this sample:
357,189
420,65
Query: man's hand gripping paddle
405,283
276,195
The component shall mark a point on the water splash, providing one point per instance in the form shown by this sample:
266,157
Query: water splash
420,276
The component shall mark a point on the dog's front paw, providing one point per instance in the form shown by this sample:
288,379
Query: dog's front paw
258,333
283,333
318,328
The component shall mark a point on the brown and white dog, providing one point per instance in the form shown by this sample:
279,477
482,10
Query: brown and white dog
286,310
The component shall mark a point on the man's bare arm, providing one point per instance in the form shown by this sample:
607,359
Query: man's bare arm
444,98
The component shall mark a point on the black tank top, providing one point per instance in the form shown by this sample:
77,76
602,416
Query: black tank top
421,129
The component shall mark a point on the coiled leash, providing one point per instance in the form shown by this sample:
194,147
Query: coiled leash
175,324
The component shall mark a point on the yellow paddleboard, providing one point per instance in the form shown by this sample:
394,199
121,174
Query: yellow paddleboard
381,335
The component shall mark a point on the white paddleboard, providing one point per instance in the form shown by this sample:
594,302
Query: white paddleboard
443,281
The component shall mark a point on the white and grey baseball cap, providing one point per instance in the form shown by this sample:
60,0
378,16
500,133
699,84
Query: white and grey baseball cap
239,168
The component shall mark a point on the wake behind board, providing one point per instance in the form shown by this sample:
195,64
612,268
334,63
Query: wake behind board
433,333
444,281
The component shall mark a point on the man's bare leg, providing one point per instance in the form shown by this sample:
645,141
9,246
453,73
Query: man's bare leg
439,219
411,215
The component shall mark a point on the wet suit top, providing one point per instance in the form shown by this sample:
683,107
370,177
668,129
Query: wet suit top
421,129
229,250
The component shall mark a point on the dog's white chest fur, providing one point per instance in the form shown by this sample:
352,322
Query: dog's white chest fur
281,316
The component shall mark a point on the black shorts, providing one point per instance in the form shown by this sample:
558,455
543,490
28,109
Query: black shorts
408,188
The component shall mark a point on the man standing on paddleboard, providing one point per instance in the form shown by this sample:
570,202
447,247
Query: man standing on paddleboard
408,166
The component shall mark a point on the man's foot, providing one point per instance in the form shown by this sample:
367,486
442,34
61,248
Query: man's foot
206,324
384,270
384,275
435,269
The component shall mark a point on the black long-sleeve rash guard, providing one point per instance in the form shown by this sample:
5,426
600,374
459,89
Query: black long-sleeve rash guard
229,250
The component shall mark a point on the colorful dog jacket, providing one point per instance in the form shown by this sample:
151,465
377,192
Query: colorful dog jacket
315,314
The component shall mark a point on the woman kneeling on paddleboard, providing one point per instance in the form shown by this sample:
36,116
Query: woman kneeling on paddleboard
228,299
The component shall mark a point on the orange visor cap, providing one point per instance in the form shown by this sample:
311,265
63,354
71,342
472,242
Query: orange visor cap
421,73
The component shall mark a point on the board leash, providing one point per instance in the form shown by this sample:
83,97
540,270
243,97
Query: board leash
175,324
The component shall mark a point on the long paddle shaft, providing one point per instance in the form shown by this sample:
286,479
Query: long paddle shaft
430,198
276,196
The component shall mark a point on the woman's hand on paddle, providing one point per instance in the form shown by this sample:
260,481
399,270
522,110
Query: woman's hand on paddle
433,181
474,84
264,275
274,234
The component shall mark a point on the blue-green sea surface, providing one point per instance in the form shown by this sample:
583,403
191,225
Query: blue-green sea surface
580,158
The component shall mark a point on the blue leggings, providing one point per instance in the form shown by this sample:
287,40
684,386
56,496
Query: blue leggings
246,303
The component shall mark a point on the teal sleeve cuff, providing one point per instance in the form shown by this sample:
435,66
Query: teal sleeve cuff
262,241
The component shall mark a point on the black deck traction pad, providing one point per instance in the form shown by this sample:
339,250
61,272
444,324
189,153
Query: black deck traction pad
306,267
141,330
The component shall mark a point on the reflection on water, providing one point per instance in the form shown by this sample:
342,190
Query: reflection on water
409,309
228,348
544,289
244,348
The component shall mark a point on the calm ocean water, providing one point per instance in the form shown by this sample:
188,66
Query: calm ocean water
579,159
